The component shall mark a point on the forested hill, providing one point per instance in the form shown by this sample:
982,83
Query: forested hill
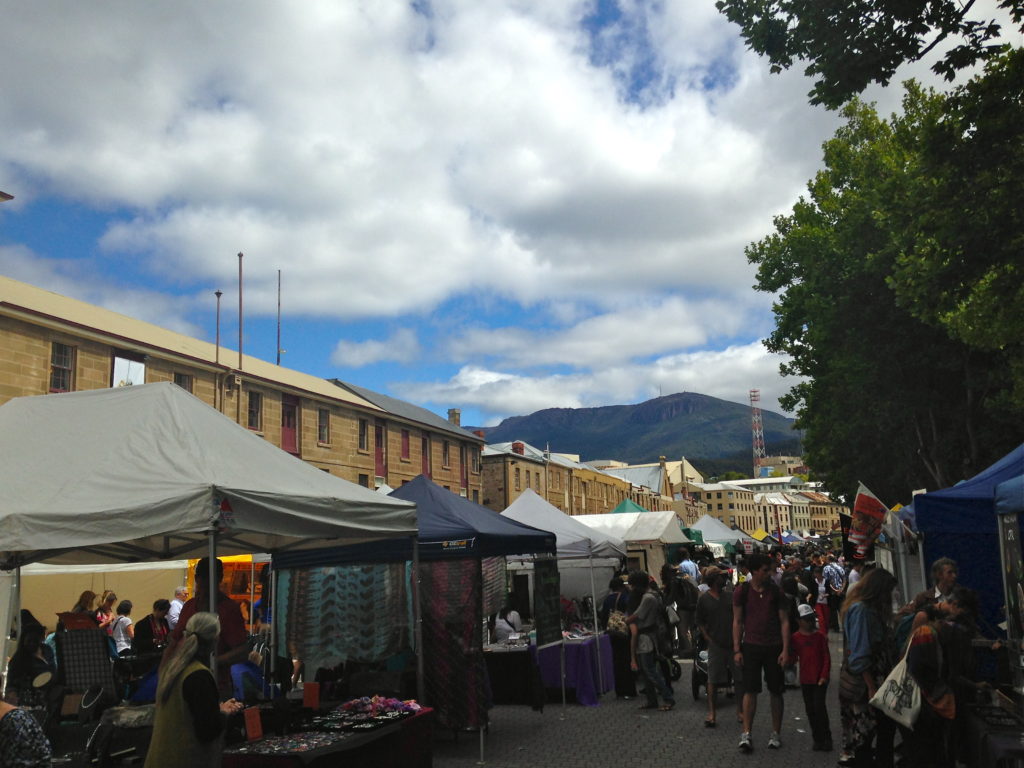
685,424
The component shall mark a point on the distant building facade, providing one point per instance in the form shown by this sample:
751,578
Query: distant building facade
50,343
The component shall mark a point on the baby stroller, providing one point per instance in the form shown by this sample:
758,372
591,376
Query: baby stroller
699,677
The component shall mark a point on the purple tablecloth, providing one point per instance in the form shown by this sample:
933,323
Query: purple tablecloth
581,671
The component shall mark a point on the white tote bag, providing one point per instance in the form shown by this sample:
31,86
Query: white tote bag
899,696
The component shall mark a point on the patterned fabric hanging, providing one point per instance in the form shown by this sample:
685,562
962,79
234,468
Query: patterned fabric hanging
454,664
345,613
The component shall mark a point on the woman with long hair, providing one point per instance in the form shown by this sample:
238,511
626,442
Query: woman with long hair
105,613
868,656
189,717
85,601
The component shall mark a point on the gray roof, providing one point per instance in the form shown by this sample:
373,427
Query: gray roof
644,476
405,410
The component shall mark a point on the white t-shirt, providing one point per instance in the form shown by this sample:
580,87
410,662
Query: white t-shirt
122,640
172,614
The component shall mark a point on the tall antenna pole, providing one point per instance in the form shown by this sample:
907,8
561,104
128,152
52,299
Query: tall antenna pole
218,293
239,310
757,429
279,317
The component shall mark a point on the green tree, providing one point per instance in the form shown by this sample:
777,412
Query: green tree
849,44
888,394
733,476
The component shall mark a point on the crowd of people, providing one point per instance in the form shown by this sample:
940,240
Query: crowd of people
191,703
764,622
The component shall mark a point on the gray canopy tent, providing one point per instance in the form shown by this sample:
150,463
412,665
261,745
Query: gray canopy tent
150,472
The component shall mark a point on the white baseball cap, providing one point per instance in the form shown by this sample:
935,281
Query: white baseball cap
805,611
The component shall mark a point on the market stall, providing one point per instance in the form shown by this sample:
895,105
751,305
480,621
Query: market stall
717,532
978,523
647,535
587,558
151,473
460,547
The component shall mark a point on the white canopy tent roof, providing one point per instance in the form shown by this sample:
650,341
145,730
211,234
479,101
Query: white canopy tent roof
714,530
573,538
146,472
639,527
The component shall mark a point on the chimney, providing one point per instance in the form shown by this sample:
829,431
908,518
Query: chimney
454,416
518,447
479,433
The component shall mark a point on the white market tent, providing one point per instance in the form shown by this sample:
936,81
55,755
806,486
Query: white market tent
149,472
646,533
572,538
584,554
715,531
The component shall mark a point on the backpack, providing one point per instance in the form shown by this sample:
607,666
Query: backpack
660,632
688,595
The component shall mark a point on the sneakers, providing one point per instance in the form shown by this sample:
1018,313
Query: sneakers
745,745
774,742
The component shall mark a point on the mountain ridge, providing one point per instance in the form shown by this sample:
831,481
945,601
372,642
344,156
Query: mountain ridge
699,427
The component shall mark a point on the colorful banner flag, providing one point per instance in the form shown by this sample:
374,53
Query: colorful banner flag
868,515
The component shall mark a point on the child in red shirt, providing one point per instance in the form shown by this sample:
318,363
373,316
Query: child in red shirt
811,650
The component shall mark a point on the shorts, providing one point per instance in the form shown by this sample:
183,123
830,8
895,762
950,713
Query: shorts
720,664
762,659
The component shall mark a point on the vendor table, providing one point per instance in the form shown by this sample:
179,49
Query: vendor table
995,739
404,744
581,672
513,675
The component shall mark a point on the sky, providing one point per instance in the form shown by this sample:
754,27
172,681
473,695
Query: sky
498,206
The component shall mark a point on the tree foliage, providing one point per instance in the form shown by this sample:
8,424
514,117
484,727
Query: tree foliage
902,239
849,44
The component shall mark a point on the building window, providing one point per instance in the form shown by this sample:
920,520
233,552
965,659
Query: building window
129,368
517,479
446,454
364,435
405,444
426,459
323,425
476,460
528,480
364,480
62,367
255,418
476,496
536,476
184,381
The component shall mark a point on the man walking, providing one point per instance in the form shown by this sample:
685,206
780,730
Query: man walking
835,580
180,596
760,638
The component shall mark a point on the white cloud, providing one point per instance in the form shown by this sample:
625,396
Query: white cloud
728,374
618,336
497,160
401,347
80,281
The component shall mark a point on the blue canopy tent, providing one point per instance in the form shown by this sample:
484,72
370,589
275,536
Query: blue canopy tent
450,526
456,545
960,522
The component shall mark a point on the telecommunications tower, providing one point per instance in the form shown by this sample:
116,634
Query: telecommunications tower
756,429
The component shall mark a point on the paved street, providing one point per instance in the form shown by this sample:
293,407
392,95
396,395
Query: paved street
616,733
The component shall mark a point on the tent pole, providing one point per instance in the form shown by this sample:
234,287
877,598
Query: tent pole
213,587
16,603
561,652
597,631
920,560
271,613
417,618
